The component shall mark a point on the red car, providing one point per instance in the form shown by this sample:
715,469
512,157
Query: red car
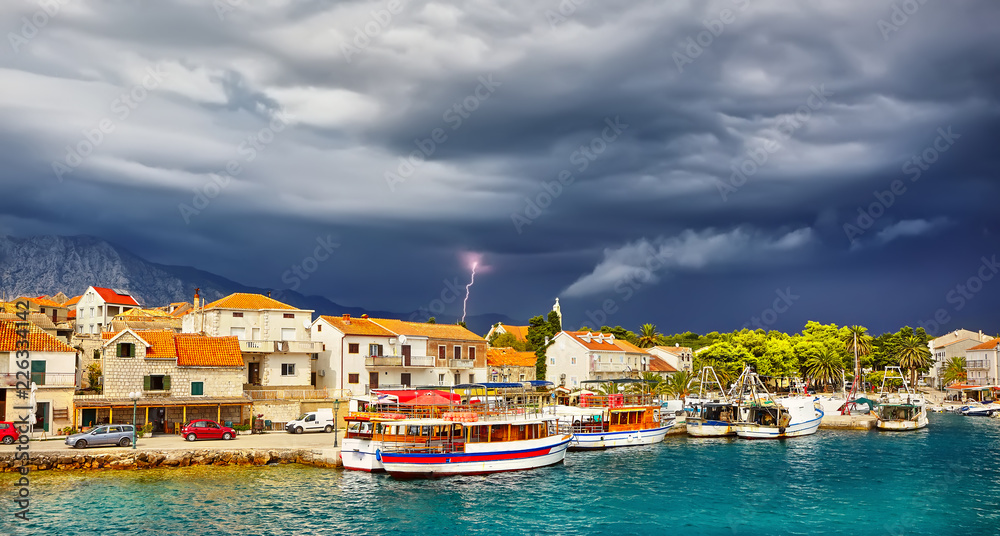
8,433
206,429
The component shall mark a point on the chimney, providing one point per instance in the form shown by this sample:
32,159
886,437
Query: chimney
196,298
346,318
269,294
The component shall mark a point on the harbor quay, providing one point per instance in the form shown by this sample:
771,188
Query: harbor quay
173,451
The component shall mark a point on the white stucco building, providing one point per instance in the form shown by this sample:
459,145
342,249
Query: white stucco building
577,356
949,346
98,305
678,357
52,366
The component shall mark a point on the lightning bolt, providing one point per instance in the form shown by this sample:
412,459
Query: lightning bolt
467,287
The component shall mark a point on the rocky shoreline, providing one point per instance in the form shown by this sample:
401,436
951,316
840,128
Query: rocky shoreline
147,459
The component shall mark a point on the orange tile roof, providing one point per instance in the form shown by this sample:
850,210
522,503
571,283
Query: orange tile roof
251,302
71,314
113,297
519,332
628,347
202,351
986,345
503,357
72,301
608,345
189,349
44,300
357,326
658,365
434,331
38,340
676,350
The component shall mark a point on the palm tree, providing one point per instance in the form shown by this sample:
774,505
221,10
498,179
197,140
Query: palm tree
954,370
648,336
914,355
678,384
608,388
653,381
824,367
857,338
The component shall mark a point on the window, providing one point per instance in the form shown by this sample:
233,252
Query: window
288,315
472,353
319,327
288,334
522,377
38,372
572,361
239,333
91,312
353,348
472,378
441,353
458,352
158,382
288,369
353,378
237,315
441,377
404,379
197,388
126,349
375,349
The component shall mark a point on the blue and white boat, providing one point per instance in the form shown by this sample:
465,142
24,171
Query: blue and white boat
763,417
710,418
980,410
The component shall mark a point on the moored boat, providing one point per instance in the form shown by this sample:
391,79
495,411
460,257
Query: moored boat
761,416
900,411
464,445
980,410
710,418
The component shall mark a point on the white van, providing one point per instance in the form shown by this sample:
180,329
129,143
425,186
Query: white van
320,420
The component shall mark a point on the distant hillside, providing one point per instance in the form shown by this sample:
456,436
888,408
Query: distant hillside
49,264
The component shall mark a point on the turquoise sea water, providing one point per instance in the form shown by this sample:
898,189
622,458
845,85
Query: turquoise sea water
944,480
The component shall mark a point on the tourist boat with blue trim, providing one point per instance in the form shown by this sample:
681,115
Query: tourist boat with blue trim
461,444
613,420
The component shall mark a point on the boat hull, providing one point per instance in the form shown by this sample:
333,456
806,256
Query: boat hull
538,453
628,438
901,425
757,431
700,428
360,455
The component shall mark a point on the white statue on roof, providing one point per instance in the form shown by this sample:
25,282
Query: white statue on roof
558,310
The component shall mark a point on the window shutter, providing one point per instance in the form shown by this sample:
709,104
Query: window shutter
145,383
166,383
119,347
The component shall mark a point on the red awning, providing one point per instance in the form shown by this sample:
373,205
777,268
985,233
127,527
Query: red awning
429,398
964,387
406,396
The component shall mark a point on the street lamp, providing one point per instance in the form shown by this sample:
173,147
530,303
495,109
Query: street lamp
134,395
336,408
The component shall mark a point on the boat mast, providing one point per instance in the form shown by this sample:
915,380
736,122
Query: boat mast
849,403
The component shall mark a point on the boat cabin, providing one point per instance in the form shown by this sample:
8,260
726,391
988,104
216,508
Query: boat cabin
446,436
897,412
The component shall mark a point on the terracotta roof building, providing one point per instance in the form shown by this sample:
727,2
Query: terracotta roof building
52,368
98,305
510,365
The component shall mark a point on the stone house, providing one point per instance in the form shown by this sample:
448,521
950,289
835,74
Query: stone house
509,365
180,377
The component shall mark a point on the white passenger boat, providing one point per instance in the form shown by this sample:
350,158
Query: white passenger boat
460,445
901,411
980,410
602,427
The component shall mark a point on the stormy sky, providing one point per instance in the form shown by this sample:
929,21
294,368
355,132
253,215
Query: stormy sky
701,165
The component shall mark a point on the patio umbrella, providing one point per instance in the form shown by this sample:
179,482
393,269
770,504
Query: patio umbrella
428,398
33,404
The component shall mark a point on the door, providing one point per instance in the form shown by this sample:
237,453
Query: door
373,380
99,436
458,378
404,379
212,430
113,436
406,358
88,417
42,414
253,373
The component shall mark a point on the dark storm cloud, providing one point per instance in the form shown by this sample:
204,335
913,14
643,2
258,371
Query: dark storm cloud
740,123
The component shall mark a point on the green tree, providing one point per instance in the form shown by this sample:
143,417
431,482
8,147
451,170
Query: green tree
648,336
431,320
954,370
508,340
539,330
555,324
856,338
825,367
912,354
678,385
94,374
461,323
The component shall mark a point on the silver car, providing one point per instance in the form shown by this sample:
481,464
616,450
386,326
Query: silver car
104,435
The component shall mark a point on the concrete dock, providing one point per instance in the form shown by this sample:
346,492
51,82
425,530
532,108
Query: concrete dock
848,422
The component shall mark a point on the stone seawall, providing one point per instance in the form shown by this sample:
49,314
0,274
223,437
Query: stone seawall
144,459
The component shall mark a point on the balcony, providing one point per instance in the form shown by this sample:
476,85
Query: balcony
268,347
41,379
977,365
384,361
610,367
461,363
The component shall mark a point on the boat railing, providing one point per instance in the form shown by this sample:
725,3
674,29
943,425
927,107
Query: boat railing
430,446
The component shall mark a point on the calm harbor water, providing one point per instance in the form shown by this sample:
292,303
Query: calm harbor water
944,480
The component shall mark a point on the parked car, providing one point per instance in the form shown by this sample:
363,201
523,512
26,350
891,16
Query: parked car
206,429
8,433
104,435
